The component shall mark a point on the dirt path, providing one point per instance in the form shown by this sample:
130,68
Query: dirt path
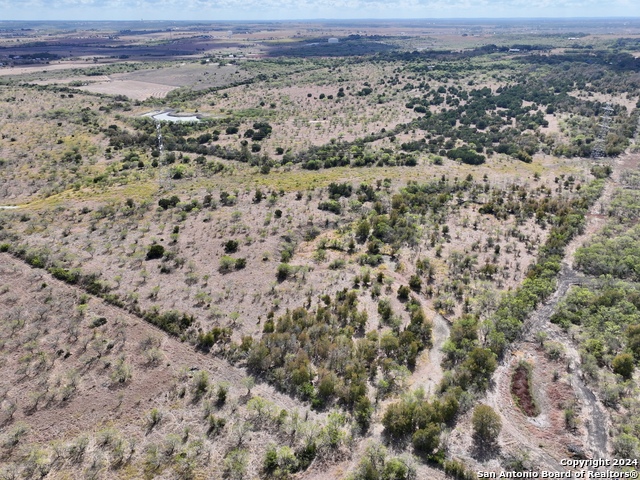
428,372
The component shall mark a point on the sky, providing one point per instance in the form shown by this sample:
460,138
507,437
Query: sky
309,9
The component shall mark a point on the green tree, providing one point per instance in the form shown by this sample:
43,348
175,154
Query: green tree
623,365
478,367
427,439
415,283
362,230
249,382
633,335
486,424
236,463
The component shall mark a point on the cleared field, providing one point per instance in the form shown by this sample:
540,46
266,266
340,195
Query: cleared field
7,71
195,75
157,83
131,88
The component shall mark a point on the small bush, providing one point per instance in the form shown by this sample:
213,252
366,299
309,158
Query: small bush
403,292
98,322
216,424
68,276
466,155
623,365
165,203
231,246
283,271
331,206
153,418
226,264
337,264
155,251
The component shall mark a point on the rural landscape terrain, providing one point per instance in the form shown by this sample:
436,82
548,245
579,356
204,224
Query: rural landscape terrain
319,250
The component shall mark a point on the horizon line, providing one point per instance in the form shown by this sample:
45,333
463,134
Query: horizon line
378,19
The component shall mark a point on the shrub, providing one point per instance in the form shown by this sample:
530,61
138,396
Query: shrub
165,203
601,171
626,446
221,394
98,322
337,264
153,418
200,383
362,412
415,283
466,155
623,365
384,309
231,246
337,190
205,340
155,251
226,264
280,462
456,469
633,340
403,292
69,276
283,271
216,424
331,206
121,372
362,230
426,440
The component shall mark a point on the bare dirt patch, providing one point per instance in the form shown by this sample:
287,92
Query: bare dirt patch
131,88
6,71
